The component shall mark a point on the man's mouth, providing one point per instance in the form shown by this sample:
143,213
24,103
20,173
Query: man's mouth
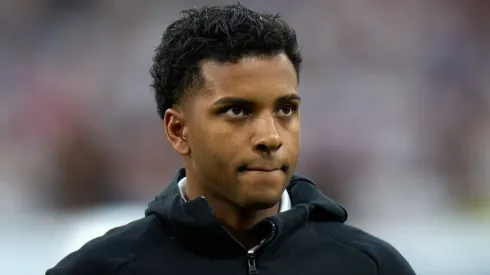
263,168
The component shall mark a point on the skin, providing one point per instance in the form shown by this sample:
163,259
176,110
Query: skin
239,135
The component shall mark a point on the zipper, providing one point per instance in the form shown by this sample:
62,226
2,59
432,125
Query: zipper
252,267
251,253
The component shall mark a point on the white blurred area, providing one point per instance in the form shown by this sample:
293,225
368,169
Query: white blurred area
395,117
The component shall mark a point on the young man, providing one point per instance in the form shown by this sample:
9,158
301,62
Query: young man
226,86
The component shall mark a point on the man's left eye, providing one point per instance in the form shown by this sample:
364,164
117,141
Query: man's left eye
286,110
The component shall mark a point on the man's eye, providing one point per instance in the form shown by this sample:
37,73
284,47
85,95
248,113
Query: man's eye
235,112
286,110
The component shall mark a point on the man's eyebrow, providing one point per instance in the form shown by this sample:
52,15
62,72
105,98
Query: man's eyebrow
289,97
233,101
244,101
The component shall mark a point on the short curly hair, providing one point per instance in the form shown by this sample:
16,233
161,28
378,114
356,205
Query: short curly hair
219,33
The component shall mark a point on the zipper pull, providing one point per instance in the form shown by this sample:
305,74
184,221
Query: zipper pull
252,267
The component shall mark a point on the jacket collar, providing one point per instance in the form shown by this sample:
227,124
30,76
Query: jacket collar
196,227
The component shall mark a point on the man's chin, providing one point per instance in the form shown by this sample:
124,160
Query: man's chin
261,204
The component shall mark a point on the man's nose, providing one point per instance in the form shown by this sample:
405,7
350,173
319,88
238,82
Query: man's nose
267,137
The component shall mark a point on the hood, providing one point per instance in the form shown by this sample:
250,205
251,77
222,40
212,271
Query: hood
303,191
195,218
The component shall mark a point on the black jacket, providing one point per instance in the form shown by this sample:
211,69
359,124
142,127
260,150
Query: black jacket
177,237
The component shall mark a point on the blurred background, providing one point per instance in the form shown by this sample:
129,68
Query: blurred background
396,122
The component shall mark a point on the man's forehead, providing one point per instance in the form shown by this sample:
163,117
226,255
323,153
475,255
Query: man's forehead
248,67
254,74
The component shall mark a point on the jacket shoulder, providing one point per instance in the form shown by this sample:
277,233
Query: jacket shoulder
387,258
109,253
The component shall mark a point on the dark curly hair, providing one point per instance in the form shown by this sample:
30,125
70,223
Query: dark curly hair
223,34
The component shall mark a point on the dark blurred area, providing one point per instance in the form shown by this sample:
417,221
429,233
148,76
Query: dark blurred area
395,121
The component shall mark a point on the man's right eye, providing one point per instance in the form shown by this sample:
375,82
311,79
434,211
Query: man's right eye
236,111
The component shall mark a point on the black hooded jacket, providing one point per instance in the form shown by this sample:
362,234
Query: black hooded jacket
177,237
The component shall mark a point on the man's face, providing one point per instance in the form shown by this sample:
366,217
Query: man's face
244,129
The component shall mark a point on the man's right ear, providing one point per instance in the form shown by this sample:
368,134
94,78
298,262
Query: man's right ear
176,131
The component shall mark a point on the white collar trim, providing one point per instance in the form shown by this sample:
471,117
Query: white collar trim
285,199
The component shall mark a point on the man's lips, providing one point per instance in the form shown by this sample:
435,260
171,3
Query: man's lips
263,168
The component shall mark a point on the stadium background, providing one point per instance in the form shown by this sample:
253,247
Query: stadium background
396,122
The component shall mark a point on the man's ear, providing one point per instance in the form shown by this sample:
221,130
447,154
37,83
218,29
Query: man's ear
176,131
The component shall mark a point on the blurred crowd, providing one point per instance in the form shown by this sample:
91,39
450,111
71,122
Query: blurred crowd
395,116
